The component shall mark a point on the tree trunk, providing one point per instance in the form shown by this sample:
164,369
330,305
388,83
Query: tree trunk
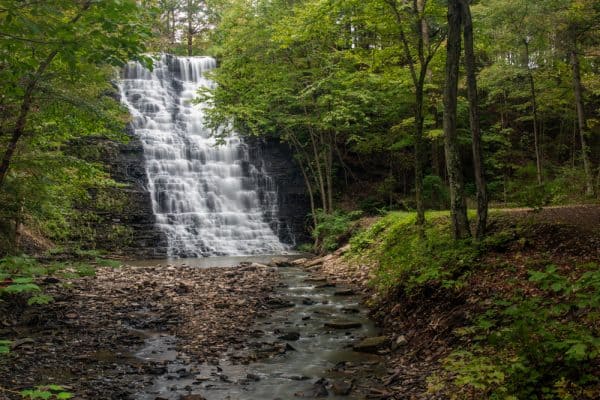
577,89
536,135
458,208
482,201
19,128
31,87
190,28
419,119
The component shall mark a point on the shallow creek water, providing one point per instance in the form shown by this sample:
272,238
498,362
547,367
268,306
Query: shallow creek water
287,374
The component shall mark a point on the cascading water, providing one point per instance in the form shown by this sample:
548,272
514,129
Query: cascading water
207,198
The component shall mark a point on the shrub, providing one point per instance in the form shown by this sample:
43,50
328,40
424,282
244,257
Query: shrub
533,347
407,259
333,229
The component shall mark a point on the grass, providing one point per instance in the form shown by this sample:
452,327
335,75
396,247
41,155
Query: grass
404,258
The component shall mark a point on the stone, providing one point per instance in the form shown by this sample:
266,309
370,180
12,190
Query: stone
371,344
401,340
192,397
318,389
253,377
341,324
291,336
344,292
280,262
341,388
325,285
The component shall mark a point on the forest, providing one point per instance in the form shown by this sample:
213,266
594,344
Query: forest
443,160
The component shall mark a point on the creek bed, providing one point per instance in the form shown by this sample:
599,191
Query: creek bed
303,344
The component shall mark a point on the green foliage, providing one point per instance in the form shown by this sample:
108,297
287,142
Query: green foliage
48,392
332,229
540,346
18,275
407,259
57,61
5,346
435,192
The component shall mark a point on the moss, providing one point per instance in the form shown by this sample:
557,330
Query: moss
404,258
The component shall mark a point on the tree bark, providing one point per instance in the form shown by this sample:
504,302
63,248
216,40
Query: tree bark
419,151
479,171
27,101
536,134
190,28
458,208
19,128
577,89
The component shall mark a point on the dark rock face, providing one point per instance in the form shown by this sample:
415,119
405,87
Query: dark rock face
278,162
125,223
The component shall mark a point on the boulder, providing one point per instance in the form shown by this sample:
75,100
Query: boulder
371,344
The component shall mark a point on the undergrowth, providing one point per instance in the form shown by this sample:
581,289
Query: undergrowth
405,258
333,229
539,340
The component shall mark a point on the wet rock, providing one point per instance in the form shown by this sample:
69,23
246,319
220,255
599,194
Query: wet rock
315,279
277,303
308,302
289,347
280,262
297,377
319,389
192,397
253,377
325,285
341,324
371,344
341,388
291,336
350,310
344,292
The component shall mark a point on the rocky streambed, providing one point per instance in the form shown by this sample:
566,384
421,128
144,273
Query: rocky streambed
168,332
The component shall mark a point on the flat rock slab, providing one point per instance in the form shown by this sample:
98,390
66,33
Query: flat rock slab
371,344
342,324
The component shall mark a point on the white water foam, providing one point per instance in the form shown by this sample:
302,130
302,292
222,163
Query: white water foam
207,198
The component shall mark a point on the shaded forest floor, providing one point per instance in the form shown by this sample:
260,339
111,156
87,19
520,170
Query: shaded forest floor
86,339
423,325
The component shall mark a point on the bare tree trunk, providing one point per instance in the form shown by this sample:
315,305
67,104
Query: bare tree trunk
577,89
419,153
482,201
19,128
320,179
329,171
190,28
458,207
536,135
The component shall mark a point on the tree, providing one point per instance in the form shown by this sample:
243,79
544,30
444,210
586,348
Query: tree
579,23
478,162
53,40
195,20
415,17
458,206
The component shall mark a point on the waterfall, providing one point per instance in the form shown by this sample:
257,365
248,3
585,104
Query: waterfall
207,198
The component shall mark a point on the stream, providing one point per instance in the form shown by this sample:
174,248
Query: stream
304,345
